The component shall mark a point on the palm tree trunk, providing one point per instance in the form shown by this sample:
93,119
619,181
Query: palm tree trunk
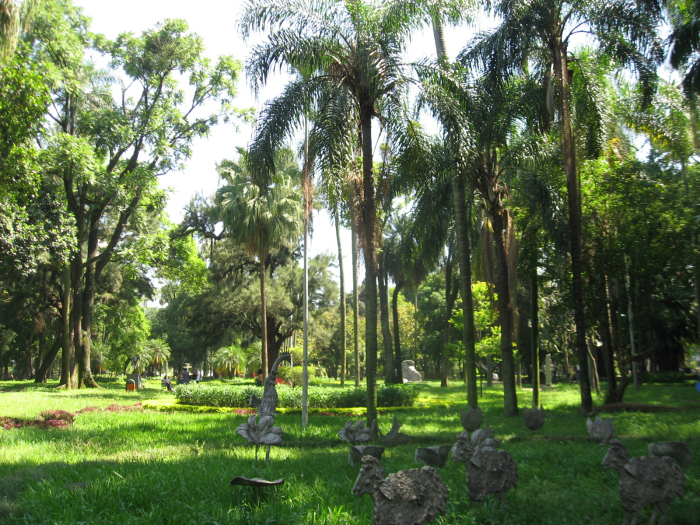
356,301
397,335
263,320
535,333
343,308
368,226
465,269
562,75
510,400
450,297
390,369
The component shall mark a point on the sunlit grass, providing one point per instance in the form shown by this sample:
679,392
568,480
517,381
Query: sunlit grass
175,467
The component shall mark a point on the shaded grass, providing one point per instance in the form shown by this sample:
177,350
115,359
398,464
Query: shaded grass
175,467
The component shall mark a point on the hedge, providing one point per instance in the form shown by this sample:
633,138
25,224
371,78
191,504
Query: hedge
319,397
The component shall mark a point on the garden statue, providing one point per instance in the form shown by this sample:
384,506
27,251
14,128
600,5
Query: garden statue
601,430
358,452
471,419
268,404
672,449
409,497
645,481
393,438
135,375
356,433
433,456
534,418
263,431
489,471
409,372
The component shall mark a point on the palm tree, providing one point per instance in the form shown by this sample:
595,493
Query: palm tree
539,33
158,352
229,360
260,211
352,50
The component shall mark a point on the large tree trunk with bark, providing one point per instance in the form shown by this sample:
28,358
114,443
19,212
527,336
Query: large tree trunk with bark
263,318
368,217
66,334
48,359
465,270
561,69
505,311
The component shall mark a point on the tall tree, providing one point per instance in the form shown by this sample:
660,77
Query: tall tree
541,31
262,213
108,151
353,51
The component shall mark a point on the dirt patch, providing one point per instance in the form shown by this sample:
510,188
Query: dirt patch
633,407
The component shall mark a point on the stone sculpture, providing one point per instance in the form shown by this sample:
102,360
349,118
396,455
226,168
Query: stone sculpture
358,452
409,372
409,497
356,433
263,431
471,419
393,438
601,430
433,456
672,449
489,471
645,481
534,418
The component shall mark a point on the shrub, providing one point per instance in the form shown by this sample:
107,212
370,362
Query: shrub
319,397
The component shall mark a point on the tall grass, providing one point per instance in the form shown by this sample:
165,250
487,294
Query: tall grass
152,467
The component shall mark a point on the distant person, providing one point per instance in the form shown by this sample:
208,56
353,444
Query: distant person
197,375
259,378
167,383
185,376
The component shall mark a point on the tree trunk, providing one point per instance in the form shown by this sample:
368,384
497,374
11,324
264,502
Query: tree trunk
397,335
559,52
368,227
343,308
461,228
450,297
505,307
390,370
85,378
66,328
356,307
608,348
534,311
47,361
263,318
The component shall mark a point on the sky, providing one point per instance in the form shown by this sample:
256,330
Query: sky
215,22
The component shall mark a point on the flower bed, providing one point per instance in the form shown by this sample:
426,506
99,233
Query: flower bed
48,419
319,397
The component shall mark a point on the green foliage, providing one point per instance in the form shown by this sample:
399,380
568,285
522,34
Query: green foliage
319,397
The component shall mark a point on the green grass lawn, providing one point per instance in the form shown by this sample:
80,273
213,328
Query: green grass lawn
175,467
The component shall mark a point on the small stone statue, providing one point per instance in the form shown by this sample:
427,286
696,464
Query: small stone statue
393,438
433,456
358,452
645,481
263,432
471,420
601,430
673,449
409,497
489,471
356,433
534,418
